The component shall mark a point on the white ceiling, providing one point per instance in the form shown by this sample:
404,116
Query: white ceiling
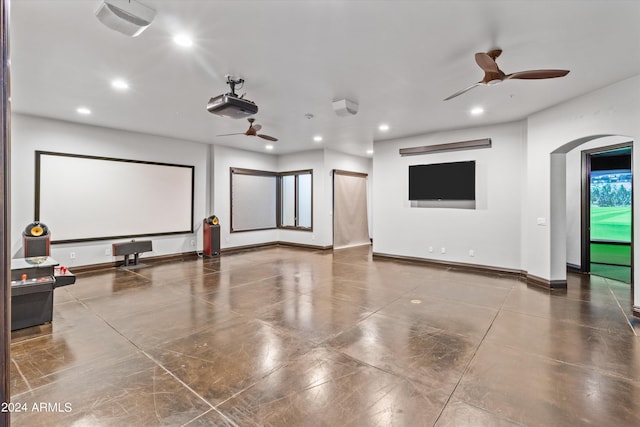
397,59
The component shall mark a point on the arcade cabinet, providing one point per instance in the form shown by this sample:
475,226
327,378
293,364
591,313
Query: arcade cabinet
34,278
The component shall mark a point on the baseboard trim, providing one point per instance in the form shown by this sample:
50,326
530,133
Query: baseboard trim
450,264
475,268
575,268
531,279
636,311
545,283
118,263
267,244
234,249
192,255
305,246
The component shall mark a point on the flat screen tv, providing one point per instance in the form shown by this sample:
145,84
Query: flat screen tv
443,181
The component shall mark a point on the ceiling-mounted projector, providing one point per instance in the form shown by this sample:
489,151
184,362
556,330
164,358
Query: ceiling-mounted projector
128,17
231,105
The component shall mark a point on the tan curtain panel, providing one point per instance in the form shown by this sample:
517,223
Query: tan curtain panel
350,225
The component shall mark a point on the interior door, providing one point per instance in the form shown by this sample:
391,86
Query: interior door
350,223
607,243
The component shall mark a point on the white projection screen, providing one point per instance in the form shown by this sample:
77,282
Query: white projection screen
84,198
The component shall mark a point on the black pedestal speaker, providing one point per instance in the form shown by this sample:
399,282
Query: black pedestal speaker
211,238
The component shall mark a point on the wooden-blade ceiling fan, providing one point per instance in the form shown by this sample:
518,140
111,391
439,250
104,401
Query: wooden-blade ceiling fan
253,131
494,75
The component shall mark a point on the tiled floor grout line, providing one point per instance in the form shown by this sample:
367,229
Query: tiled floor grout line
26,381
572,364
158,364
615,298
565,321
195,418
213,408
473,356
321,344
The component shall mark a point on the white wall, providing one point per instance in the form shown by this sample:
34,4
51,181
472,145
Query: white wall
29,134
212,183
492,230
224,158
574,191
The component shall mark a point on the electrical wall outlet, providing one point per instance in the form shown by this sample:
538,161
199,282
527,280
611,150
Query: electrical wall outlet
430,248
443,250
472,252
72,255
192,242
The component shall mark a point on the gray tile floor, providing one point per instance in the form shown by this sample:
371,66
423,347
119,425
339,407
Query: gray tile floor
294,337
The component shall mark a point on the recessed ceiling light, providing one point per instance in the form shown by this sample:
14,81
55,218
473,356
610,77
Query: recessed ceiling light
119,84
317,138
83,110
477,111
383,127
183,40
269,147
369,151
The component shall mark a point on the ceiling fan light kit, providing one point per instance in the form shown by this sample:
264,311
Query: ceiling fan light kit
128,17
494,75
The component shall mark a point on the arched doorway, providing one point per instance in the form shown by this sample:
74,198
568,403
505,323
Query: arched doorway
569,235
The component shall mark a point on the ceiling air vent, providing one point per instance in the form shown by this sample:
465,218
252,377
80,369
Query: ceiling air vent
128,17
